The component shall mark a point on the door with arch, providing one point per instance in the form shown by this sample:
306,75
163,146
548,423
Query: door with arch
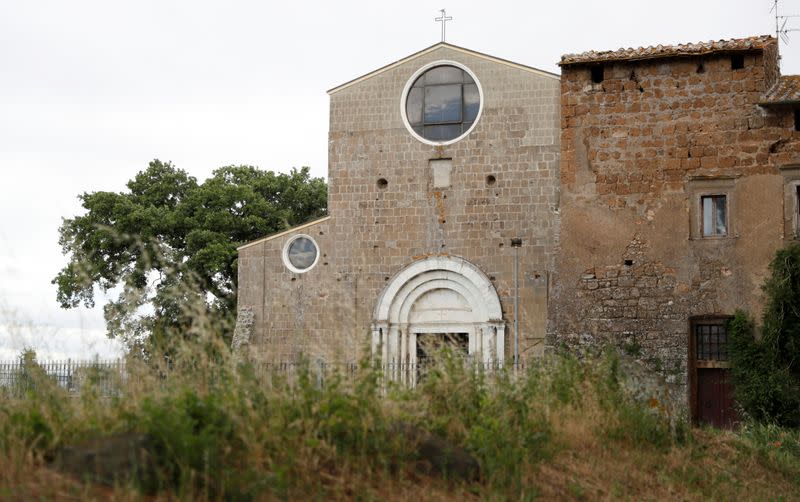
442,300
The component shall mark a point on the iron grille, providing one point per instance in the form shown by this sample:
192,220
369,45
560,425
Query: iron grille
712,342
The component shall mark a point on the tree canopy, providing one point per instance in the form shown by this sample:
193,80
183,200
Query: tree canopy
168,244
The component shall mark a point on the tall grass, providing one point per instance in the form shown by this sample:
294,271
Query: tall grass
220,431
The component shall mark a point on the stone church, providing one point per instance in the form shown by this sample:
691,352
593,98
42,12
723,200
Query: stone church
436,163
636,199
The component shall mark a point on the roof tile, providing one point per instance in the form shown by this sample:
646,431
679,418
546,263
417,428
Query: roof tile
785,91
663,51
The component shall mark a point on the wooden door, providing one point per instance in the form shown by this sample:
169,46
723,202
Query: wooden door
715,404
709,374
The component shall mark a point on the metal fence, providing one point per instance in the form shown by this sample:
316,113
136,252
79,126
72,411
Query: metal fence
20,376
107,377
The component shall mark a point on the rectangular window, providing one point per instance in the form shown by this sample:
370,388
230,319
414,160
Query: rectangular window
797,210
791,201
597,74
711,342
715,219
712,207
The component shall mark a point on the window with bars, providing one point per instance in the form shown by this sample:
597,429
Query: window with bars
711,342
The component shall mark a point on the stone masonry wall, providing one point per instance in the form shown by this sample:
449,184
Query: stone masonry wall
290,314
637,151
375,230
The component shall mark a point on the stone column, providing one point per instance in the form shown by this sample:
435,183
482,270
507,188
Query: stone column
379,340
375,341
393,356
500,343
476,343
403,359
412,358
487,340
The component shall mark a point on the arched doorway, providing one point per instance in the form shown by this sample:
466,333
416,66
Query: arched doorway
440,295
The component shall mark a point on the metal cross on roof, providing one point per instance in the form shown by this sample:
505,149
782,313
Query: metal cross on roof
443,19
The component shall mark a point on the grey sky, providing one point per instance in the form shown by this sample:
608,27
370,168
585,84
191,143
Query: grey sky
90,91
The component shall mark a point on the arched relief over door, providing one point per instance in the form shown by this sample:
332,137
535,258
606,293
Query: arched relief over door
440,294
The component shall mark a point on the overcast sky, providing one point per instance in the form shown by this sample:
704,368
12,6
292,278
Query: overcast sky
91,91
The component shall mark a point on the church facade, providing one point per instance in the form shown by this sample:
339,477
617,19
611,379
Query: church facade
634,200
436,163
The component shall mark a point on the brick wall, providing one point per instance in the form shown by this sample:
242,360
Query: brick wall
637,151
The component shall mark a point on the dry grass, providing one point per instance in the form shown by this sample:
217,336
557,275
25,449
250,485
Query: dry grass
711,465
561,427
715,466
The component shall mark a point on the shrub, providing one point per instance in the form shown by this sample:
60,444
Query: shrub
766,362
42,410
500,418
220,430
195,438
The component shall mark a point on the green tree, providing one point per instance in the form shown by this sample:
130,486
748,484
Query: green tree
766,361
168,245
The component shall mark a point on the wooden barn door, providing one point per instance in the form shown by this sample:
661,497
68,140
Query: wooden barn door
712,392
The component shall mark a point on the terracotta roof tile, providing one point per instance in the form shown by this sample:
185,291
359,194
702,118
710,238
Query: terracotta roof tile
664,51
785,91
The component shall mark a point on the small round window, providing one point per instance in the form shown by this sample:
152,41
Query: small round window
442,103
300,254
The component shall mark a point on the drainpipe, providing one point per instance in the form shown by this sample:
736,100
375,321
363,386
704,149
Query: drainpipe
516,244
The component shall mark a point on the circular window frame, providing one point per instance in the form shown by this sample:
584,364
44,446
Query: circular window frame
407,88
285,254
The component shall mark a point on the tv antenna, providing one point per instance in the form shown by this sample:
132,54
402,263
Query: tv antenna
781,29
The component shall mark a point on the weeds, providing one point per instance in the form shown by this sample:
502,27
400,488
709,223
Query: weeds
219,430
776,446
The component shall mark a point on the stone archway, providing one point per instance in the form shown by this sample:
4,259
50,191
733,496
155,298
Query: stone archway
440,294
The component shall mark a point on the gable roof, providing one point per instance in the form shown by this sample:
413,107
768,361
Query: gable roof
665,51
786,91
433,48
283,232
